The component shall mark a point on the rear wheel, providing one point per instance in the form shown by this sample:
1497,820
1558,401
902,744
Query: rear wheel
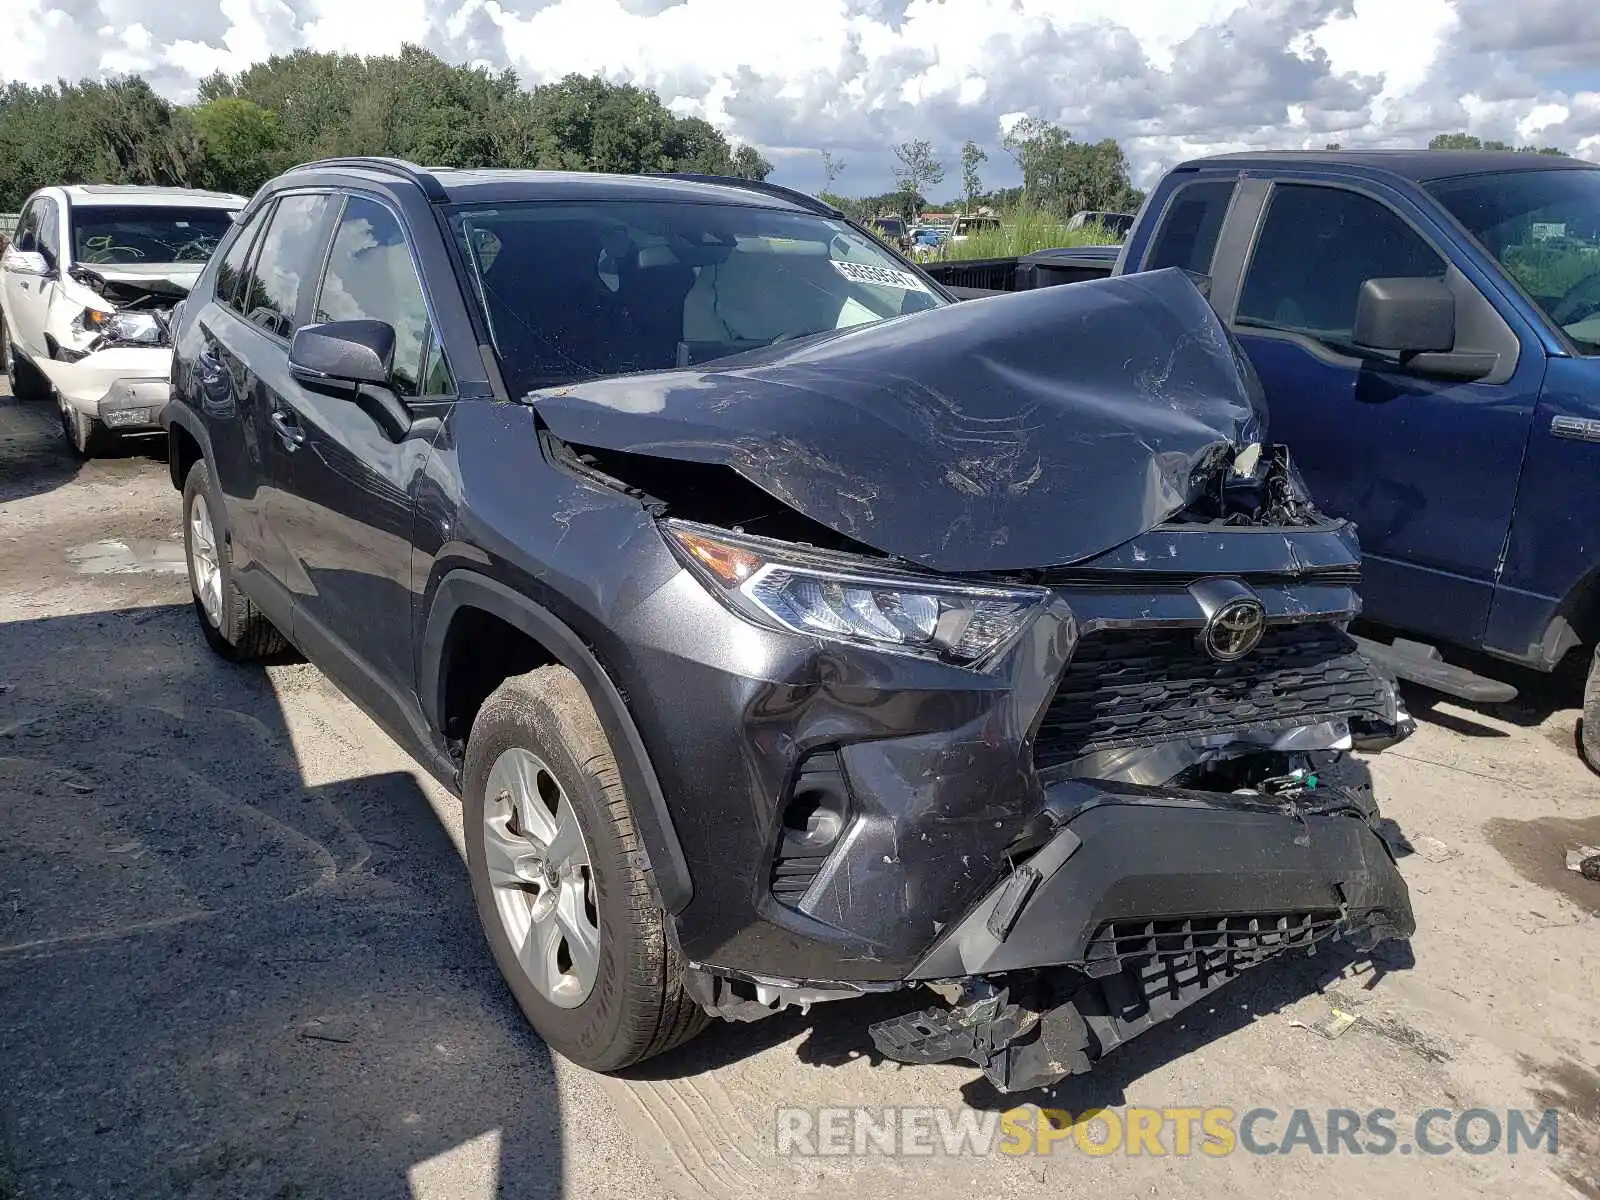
232,625
551,850
1589,726
26,380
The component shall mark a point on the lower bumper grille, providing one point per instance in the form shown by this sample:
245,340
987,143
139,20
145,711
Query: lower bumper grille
1140,687
1227,943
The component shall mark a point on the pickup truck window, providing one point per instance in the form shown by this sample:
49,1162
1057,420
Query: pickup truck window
1317,246
370,276
574,291
1543,227
1187,236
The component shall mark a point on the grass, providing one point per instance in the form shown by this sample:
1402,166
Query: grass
1022,231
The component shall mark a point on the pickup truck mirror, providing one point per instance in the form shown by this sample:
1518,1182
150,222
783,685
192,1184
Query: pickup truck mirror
344,354
1405,316
26,262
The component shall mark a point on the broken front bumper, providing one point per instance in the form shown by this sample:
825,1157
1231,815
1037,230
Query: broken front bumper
123,386
1137,903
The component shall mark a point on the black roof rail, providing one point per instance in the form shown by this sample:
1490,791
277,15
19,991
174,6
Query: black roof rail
810,203
399,167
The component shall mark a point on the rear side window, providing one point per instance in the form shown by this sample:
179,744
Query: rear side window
1317,246
1188,234
286,268
232,268
371,276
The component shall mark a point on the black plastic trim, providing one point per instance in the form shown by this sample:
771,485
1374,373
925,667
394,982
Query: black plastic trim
464,588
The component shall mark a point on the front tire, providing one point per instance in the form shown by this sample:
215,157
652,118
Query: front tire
572,921
87,437
232,625
1589,726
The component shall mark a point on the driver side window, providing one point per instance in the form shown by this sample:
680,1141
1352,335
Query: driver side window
26,235
1317,247
50,232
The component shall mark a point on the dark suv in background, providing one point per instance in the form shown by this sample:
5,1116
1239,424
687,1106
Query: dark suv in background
789,631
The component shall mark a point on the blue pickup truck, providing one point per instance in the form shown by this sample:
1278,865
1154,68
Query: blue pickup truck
1426,325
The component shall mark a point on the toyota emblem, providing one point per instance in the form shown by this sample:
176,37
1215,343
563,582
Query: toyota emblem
1235,629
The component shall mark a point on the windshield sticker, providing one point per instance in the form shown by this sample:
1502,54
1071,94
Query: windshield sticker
879,276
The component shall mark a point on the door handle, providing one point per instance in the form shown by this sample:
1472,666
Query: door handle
288,429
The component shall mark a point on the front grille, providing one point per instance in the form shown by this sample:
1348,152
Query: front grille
1141,687
1218,943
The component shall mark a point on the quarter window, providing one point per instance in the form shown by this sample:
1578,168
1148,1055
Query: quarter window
1317,247
1188,234
287,263
371,276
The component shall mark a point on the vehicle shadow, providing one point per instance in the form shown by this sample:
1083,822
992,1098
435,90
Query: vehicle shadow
34,458
216,981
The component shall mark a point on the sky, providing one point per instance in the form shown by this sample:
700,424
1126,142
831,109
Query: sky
1169,79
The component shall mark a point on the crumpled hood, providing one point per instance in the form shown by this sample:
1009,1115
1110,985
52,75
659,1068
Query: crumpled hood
1014,432
181,274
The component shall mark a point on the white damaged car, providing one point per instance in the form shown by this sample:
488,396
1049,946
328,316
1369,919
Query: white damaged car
88,287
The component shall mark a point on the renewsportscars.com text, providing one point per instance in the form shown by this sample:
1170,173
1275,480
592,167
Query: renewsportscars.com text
1160,1132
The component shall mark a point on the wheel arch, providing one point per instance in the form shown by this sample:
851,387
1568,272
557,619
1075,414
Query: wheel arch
187,444
462,591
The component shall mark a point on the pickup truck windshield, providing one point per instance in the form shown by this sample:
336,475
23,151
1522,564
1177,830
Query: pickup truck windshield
103,235
1544,228
574,291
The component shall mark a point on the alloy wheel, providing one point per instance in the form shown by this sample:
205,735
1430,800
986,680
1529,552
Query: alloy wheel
538,865
207,571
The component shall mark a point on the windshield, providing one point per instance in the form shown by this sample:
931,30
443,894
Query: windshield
574,291
1544,228
103,235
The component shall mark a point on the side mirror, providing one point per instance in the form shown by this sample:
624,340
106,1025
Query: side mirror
344,354
1405,316
26,262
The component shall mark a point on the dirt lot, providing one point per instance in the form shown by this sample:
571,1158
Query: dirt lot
238,956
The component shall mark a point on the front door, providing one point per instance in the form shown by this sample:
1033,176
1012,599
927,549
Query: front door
27,296
346,514
1426,466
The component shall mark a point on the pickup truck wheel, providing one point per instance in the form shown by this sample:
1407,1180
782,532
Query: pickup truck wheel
1589,727
26,380
551,850
233,626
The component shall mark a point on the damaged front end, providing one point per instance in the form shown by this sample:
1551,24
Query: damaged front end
1041,694
112,359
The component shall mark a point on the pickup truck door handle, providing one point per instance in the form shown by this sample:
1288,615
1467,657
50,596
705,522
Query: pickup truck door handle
288,428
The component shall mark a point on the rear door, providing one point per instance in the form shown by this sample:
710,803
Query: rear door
1424,464
346,511
248,343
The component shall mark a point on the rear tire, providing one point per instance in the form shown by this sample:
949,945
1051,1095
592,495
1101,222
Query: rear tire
26,380
634,1005
232,625
1589,725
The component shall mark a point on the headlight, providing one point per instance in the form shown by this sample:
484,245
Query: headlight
847,599
140,328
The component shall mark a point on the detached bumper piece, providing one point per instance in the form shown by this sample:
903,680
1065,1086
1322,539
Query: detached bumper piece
1136,908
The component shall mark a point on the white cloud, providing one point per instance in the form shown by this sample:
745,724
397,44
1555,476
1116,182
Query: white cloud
1167,78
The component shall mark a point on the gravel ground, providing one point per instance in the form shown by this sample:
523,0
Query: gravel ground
238,956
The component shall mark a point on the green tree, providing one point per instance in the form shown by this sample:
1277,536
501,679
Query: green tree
1066,176
242,144
748,163
919,169
972,157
